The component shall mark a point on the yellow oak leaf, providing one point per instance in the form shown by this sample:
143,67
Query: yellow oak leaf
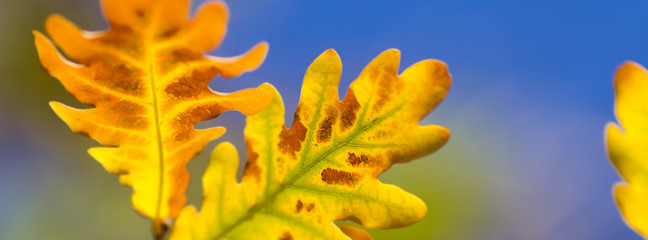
325,168
147,77
628,148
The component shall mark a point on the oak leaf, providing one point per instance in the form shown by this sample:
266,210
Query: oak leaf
325,168
627,145
147,77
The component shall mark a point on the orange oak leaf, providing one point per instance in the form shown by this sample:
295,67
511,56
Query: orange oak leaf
147,77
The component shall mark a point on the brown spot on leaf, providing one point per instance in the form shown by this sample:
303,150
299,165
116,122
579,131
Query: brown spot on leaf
184,135
325,130
349,106
169,32
252,168
333,176
168,59
117,77
356,161
286,236
200,113
192,86
310,207
118,34
185,120
299,206
292,138
139,13
185,55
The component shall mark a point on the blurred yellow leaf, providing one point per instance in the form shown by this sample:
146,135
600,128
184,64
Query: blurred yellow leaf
628,148
324,168
147,77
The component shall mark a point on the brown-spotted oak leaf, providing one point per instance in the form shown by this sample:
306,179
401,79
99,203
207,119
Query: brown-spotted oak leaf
147,77
298,181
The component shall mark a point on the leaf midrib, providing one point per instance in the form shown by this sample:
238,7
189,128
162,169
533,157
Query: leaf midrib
150,60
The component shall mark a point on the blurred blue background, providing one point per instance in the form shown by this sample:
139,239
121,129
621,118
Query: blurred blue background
532,91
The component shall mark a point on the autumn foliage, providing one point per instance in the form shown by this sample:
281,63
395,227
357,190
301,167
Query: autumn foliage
147,79
325,168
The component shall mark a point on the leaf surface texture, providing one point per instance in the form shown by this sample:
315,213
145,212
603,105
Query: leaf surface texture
325,167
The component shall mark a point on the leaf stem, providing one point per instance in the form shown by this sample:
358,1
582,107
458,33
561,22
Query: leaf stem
159,229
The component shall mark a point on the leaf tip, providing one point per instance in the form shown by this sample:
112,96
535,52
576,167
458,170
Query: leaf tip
214,132
392,52
67,114
40,40
267,87
50,58
56,106
224,148
391,55
422,207
630,64
53,21
43,48
330,51
630,203
271,92
218,7
386,62
432,70
611,126
327,67
260,52
627,73
37,34
330,54
246,62
444,134
441,72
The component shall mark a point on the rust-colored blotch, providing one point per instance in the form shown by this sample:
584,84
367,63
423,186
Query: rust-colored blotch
325,130
333,176
286,236
192,86
357,160
292,138
252,168
349,106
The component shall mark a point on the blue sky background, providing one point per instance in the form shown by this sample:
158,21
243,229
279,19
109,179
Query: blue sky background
531,94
